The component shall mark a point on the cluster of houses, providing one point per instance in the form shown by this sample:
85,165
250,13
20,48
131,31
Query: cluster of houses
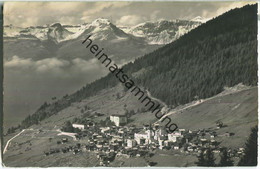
129,141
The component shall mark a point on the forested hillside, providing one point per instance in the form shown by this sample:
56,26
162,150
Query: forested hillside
221,52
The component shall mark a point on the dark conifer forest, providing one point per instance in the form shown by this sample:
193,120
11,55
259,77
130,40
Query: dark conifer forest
219,53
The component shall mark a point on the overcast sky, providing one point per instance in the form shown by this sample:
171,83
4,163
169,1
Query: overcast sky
121,13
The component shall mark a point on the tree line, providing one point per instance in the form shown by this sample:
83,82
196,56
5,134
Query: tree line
206,157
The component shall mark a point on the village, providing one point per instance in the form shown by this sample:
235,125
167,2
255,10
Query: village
109,142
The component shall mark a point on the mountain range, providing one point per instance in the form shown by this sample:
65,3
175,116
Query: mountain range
104,27
159,32
124,44
219,53
207,75
53,62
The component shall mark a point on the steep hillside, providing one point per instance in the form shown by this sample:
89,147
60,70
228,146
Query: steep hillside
236,109
219,53
222,52
50,61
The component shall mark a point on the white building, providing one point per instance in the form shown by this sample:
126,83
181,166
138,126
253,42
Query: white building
118,119
131,143
161,144
174,136
158,133
143,136
79,126
104,129
182,130
177,147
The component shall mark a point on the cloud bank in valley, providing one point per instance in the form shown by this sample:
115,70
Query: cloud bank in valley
28,83
54,66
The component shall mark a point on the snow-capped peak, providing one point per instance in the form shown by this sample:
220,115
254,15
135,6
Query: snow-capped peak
100,21
58,33
199,19
56,25
159,32
162,31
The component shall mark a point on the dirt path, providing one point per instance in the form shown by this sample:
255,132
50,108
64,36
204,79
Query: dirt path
196,103
165,107
158,100
224,93
7,143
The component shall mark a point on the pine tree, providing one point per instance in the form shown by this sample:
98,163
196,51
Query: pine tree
250,156
209,158
9,131
225,159
201,161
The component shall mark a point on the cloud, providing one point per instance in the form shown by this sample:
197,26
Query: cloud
101,6
233,5
18,62
224,7
26,14
129,20
154,15
29,83
55,67
40,13
103,10
49,65
86,66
